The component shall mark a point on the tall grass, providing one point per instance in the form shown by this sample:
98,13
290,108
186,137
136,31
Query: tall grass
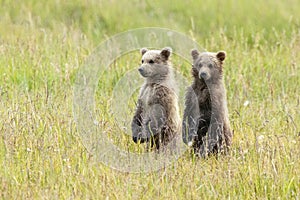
44,43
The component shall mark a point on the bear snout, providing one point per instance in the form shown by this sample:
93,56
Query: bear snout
145,71
142,71
203,75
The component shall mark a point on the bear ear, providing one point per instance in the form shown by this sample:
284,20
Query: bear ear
195,54
221,55
143,50
166,52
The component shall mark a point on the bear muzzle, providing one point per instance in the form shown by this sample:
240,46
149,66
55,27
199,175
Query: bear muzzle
203,75
144,72
141,70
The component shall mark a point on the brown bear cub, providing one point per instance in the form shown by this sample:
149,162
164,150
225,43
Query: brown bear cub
156,119
205,121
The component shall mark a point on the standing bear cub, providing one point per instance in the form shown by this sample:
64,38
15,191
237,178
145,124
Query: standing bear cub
156,120
205,122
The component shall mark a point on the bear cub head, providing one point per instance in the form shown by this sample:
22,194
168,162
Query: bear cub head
154,65
207,66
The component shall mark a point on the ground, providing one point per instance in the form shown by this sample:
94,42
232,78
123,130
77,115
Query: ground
44,43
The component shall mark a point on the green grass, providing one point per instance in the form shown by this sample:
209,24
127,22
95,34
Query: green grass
43,44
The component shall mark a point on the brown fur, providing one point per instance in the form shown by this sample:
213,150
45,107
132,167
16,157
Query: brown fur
206,122
156,120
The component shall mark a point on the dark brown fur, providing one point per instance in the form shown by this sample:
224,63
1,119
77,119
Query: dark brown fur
206,122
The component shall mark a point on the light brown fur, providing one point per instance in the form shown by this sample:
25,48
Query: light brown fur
156,120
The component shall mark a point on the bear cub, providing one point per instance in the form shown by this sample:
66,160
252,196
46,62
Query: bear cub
156,119
205,124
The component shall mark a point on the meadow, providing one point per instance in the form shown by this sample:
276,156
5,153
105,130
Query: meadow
43,45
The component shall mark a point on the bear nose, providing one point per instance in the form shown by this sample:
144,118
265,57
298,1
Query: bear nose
203,75
140,70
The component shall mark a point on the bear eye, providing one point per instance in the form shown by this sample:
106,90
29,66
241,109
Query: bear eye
200,65
142,61
151,61
210,65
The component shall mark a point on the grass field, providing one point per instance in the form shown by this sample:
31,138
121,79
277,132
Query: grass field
43,44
